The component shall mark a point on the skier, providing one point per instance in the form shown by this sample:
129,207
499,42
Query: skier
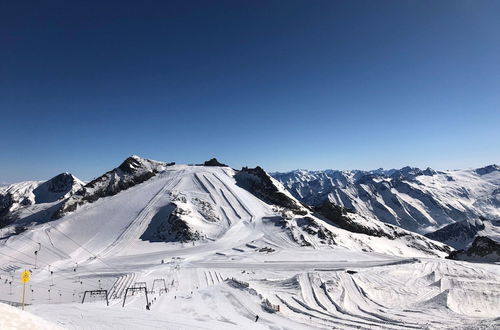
147,306
256,318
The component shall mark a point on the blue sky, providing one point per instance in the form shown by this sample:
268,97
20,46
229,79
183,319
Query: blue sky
281,84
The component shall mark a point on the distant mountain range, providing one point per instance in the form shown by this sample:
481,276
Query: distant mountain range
419,200
459,204
382,210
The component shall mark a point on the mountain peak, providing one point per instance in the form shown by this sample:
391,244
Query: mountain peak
488,169
214,162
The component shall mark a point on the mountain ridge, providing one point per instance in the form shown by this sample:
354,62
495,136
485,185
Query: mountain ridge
415,199
196,201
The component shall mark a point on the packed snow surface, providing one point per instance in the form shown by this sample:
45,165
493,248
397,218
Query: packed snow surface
12,318
234,258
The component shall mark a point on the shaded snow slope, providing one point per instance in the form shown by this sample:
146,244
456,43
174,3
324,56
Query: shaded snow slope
482,249
418,200
461,234
19,196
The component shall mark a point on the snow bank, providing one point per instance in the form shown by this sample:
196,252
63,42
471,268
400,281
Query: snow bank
14,318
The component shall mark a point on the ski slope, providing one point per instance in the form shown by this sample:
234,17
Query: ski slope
119,241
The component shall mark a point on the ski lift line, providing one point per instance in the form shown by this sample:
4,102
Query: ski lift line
89,282
49,249
24,262
46,248
74,243
9,247
40,285
91,253
58,274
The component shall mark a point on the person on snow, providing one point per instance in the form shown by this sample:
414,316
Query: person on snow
256,318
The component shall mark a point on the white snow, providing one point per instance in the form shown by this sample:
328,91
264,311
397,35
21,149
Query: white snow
421,203
395,285
12,318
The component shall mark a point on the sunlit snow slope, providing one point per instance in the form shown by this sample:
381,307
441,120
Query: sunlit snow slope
418,200
216,247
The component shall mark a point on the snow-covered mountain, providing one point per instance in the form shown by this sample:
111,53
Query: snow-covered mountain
23,195
132,171
414,199
208,201
461,234
228,245
482,249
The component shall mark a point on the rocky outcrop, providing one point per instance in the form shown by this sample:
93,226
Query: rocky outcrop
56,188
411,198
260,184
339,216
214,162
458,234
347,219
488,169
482,249
133,171
19,196
175,229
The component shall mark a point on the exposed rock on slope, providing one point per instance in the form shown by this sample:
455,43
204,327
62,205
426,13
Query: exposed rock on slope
418,200
260,184
18,196
132,171
214,162
349,220
144,200
482,249
461,234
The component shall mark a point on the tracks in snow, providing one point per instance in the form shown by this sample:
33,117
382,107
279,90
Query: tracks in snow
137,226
120,285
213,277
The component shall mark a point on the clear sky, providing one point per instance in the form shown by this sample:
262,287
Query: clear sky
281,84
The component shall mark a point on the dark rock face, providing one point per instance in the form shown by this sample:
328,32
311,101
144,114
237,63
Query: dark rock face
340,216
482,249
488,169
214,162
397,197
61,183
457,234
54,189
258,182
168,226
312,227
337,215
5,203
18,196
131,172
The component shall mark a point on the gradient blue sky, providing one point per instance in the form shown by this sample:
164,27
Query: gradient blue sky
282,84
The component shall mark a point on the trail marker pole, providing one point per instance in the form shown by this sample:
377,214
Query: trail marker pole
25,277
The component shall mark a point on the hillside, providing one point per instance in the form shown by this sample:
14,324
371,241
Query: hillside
414,199
217,246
